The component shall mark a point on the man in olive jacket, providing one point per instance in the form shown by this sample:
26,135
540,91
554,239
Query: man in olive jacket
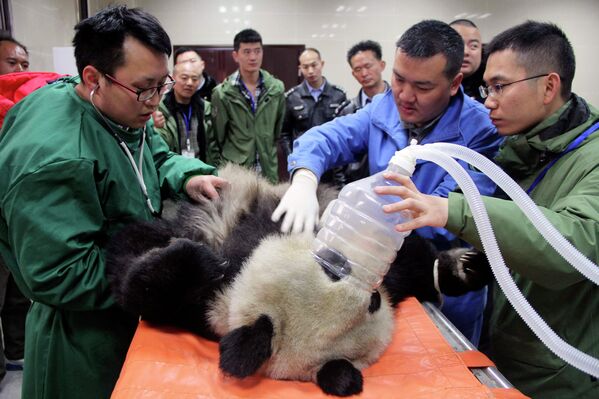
248,109
187,119
551,151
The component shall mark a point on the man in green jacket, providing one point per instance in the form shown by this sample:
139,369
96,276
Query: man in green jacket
248,109
79,160
187,120
529,76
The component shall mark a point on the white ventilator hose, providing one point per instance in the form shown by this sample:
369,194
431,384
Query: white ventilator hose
562,246
432,152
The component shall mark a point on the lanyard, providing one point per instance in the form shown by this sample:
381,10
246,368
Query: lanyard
138,170
187,120
572,146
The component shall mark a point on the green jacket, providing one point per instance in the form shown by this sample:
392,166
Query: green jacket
170,131
239,134
66,186
569,196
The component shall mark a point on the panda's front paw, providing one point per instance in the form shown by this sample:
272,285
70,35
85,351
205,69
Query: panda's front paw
461,270
339,377
245,349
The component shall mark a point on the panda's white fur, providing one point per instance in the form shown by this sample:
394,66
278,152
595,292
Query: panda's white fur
213,220
315,319
223,270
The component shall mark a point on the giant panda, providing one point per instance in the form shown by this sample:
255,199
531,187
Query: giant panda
223,270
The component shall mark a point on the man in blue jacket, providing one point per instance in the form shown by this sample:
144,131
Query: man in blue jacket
426,104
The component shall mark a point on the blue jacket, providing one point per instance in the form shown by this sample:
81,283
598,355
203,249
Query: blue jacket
377,129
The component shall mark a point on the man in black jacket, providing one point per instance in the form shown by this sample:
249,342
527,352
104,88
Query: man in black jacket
475,60
312,102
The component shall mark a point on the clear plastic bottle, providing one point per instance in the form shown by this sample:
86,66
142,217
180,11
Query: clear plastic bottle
357,240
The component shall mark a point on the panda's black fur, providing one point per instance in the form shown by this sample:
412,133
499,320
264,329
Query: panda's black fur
198,270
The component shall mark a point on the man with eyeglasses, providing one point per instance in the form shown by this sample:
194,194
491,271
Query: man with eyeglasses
248,109
80,160
551,151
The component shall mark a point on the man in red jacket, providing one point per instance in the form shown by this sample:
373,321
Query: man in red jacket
13,304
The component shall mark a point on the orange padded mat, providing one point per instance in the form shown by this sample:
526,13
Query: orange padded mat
173,364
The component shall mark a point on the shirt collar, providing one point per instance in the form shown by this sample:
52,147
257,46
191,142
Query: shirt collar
419,133
315,93
363,98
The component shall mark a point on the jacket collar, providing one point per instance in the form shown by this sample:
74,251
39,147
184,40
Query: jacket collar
304,91
448,125
171,103
522,154
229,87
358,99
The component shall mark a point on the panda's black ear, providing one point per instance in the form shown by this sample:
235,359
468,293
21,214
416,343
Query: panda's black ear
375,302
339,377
245,349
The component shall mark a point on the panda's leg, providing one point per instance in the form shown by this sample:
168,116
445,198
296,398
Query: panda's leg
339,377
245,349
160,283
126,247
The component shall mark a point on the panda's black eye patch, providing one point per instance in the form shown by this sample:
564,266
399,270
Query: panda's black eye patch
375,302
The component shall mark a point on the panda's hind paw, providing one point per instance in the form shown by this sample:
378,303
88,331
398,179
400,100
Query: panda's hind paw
339,377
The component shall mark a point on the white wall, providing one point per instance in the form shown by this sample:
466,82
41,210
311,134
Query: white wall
42,25
330,26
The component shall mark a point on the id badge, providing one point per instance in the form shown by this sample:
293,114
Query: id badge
187,154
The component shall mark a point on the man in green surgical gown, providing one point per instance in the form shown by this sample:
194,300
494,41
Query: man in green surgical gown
79,160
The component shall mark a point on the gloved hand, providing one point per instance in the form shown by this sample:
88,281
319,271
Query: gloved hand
461,270
299,204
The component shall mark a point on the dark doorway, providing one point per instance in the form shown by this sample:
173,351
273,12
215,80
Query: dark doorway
279,59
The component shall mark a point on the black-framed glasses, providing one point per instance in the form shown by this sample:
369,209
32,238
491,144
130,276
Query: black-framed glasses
146,94
496,89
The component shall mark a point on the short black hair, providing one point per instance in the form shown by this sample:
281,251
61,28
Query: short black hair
8,38
99,39
182,50
463,22
429,38
540,48
246,36
365,45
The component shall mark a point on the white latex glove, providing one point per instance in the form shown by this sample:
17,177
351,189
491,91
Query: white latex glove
299,204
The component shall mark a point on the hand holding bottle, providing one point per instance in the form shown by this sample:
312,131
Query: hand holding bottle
426,210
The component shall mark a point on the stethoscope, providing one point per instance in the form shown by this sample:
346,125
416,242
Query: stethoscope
137,169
